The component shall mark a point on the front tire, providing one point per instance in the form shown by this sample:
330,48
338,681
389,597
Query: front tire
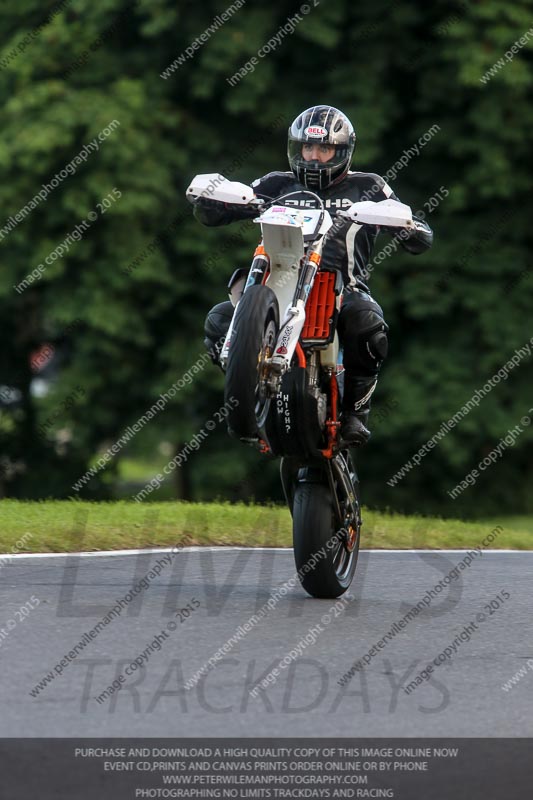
255,331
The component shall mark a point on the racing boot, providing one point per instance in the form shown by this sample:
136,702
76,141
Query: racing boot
356,409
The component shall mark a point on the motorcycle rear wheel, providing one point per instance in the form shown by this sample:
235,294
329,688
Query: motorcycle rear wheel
325,548
255,331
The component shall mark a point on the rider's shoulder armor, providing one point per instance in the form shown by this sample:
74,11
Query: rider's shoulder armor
273,184
373,186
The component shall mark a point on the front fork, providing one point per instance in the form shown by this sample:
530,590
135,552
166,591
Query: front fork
294,318
256,275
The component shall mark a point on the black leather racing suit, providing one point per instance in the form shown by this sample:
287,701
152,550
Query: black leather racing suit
349,246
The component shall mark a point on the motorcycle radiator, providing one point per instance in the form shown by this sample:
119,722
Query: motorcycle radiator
320,310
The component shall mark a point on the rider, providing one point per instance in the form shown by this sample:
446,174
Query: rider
320,148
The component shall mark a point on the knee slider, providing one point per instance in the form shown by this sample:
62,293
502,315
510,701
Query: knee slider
378,345
218,321
363,334
216,327
373,348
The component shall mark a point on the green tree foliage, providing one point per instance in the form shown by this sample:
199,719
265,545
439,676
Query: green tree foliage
124,305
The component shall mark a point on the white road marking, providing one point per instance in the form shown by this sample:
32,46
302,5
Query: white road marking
224,549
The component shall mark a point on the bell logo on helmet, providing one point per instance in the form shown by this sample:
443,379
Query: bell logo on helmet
316,131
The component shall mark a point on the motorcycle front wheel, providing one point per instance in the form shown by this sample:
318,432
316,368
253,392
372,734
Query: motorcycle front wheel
255,331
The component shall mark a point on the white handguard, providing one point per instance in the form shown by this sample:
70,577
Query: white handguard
386,213
214,186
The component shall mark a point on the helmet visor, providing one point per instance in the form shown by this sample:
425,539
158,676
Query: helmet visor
316,155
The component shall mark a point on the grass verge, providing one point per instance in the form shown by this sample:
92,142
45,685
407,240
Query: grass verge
70,526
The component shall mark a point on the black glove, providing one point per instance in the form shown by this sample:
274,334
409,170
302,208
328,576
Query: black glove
394,230
208,203
204,202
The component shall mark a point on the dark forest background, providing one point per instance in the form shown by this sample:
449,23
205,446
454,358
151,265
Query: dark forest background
116,320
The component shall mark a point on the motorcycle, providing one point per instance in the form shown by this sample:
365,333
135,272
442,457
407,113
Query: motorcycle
283,375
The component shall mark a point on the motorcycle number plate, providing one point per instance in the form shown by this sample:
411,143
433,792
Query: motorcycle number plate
308,220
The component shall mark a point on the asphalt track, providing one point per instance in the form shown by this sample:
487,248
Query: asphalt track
462,698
